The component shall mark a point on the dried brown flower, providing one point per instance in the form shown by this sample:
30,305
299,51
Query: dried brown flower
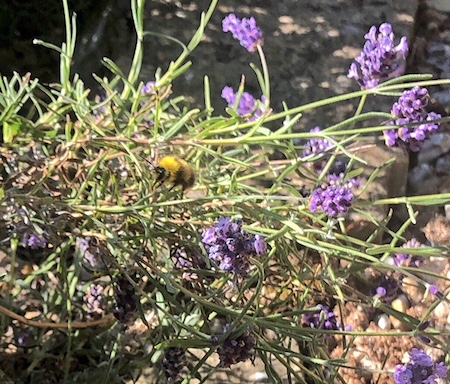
437,230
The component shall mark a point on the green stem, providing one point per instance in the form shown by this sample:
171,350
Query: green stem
195,41
137,9
348,96
265,69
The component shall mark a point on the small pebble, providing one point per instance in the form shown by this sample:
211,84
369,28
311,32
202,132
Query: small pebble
441,310
260,377
413,289
400,304
384,322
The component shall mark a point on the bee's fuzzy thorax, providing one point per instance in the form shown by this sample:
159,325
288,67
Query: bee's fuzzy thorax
175,171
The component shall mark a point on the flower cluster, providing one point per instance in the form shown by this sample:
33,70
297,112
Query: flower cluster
402,259
411,109
231,247
126,302
335,197
420,369
323,319
36,241
316,146
380,59
235,348
173,362
95,303
248,105
388,288
149,88
245,31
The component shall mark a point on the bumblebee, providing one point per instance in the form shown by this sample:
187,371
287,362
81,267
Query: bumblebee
175,171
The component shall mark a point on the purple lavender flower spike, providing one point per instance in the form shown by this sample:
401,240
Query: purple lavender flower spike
402,375
380,59
334,199
235,349
411,109
260,245
245,31
230,246
402,259
420,369
316,146
173,362
36,241
149,88
95,301
248,105
323,319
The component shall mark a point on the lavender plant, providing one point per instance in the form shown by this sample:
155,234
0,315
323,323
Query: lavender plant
225,274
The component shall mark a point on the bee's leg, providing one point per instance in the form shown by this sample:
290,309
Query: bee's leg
157,184
172,187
